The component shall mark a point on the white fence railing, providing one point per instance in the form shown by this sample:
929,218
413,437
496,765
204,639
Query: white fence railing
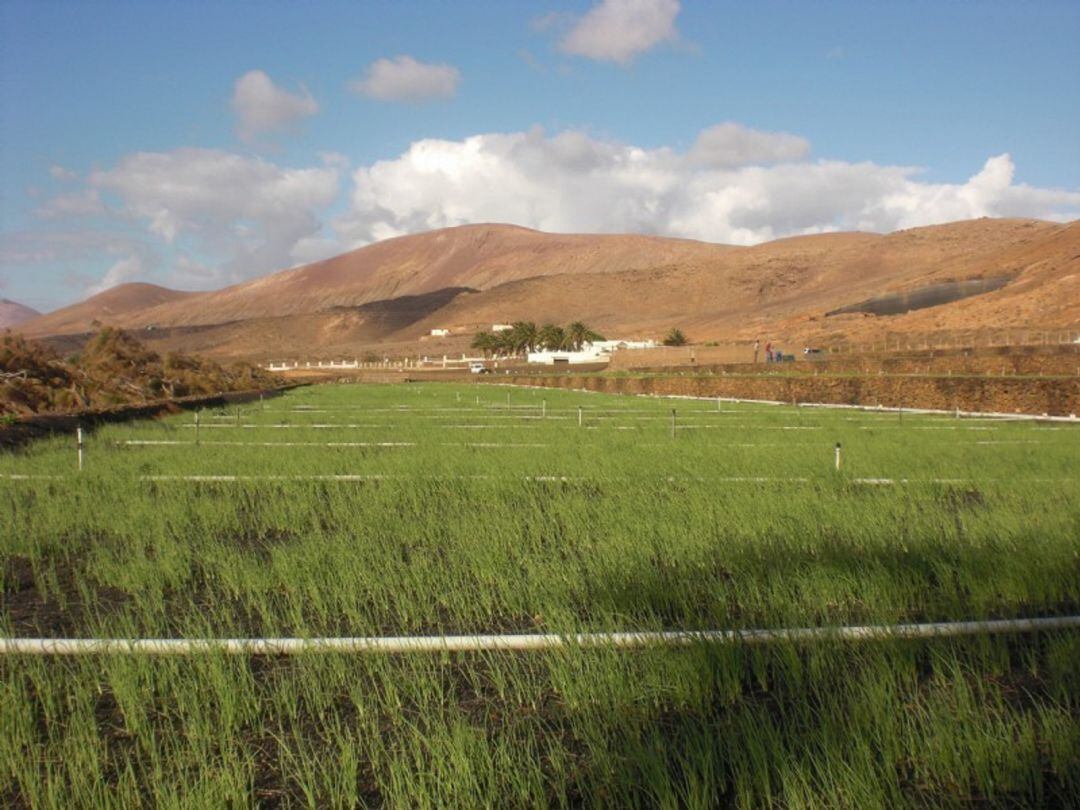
387,363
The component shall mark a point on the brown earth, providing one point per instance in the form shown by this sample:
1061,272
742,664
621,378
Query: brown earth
469,277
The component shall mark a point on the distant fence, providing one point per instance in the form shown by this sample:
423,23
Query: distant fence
387,364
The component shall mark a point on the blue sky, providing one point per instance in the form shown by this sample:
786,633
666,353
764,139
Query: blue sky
195,144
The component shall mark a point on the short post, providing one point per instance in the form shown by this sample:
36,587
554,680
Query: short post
238,416
838,455
718,404
673,423
507,400
543,409
579,416
262,403
196,428
79,446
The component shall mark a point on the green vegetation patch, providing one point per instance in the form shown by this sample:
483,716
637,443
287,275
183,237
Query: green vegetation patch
442,509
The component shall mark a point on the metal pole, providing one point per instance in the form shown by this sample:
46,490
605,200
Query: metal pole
196,428
579,416
543,409
838,455
673,423
79,445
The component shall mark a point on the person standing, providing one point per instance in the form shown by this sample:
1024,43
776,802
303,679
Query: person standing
768,352
757,345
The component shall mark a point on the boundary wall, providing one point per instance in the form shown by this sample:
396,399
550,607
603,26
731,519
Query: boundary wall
997,395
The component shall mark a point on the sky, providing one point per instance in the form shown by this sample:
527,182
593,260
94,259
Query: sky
195,144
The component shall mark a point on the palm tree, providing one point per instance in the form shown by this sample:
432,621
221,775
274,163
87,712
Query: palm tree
675,338
552,337
485,342
580,334
523,337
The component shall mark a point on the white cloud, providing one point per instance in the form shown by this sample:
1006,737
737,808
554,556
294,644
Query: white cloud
730,145
406,79
127,269
248,213
38,247
62,174
574,182
620,30
262,106
83,203
212,217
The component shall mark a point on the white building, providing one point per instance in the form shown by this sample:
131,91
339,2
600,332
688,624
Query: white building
440,332
598,352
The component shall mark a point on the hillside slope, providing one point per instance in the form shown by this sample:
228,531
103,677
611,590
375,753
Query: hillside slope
114,307
12,313
792,283
478,256
467,278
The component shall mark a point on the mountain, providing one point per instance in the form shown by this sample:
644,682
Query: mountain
790,284
13,313
476,256
114,307
386,296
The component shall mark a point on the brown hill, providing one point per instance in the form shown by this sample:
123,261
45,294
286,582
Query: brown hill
390,294
115,306
791,284
13,313
478,256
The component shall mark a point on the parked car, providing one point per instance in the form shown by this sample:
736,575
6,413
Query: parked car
479,368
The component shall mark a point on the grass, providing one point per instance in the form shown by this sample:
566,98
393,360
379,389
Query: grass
639,531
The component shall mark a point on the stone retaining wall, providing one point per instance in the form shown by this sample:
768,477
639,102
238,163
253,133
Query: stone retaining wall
1056,397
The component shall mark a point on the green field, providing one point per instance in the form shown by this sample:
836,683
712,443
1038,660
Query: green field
443,509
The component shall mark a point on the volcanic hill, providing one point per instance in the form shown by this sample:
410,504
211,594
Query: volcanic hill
998,272
13,313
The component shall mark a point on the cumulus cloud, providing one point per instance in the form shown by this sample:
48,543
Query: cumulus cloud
210,217
83,203
262,106
620,30
729,145
406,79
572,181
249,213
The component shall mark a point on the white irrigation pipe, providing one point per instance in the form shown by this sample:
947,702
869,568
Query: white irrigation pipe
522,642
173,442
735,479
